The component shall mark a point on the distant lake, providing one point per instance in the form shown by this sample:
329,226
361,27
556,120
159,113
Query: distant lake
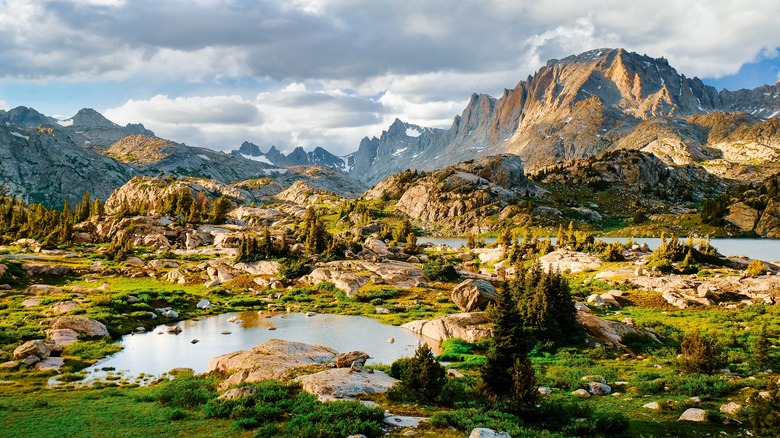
763,249
153,353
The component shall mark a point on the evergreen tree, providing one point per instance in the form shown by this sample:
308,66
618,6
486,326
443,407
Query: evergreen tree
510,342
423,378
524,392
760,351
82,208
97,208
220,209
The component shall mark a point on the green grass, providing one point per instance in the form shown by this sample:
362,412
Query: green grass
110,413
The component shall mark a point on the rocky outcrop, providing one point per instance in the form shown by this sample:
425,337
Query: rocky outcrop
350,275
473,295
345,383
271,359
458,198
467,326
607,332
564,260
683,291
769,224
742,216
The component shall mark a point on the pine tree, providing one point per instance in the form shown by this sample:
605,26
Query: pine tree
524,392
509,343
760,347
82,208
220,209
423,378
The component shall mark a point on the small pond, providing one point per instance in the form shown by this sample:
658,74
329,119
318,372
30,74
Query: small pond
156,352
763,249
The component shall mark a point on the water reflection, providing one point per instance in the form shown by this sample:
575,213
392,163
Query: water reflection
157,351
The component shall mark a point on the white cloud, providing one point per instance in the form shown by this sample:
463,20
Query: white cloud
4,105
328,72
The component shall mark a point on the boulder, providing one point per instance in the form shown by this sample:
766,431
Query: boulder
403,422
37,348
605,331
693,414
65,307
376,246
598,388
472,295
676,299
261,267
581,393
32,302
81,324
482,432
467,326
134,261
50,364
345,360
203,304
58,339
345,383
44,270
731,408
652,405
271,359
40,289
573,261
237,393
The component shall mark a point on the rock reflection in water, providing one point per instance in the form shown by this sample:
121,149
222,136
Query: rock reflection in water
151,353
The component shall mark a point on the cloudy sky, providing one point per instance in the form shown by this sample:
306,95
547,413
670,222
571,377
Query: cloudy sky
328,72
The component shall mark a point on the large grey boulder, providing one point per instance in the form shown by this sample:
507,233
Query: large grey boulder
344,383
472,295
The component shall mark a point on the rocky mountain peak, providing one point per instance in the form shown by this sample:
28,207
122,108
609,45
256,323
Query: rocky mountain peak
250,149
88,117
24,117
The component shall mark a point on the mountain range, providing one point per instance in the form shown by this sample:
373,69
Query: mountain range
581,106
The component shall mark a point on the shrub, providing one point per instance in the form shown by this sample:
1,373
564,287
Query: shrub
439,269
471,418
700,354
333,419
765,413
755,268
294,268
186,391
